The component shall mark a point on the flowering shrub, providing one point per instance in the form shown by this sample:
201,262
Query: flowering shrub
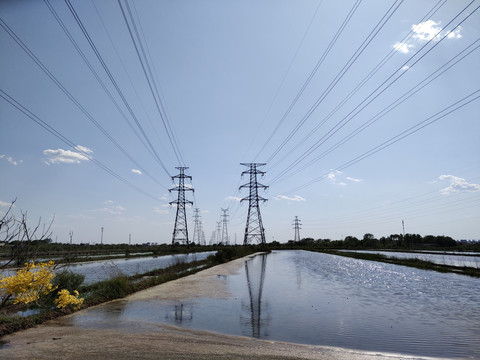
65,299
29,283
33,281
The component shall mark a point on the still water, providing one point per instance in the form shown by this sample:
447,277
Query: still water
322,299
95,271
452,259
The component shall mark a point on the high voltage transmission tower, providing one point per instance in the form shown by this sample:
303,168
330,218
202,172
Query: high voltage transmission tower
180,231
225,240
254,227
197,229
219,232
296,226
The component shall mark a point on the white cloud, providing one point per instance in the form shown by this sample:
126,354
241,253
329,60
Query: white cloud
295,198
405,68
11,160
234,198
342,184
332,175
455,34
136,171
5,204
61,156
403,47
160,211
427,30
353,179
457,184
83,149
423,32
111,208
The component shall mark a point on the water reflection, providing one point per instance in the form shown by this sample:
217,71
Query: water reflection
255,273
323,299
180,313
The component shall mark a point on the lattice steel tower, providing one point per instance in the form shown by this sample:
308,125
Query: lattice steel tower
254,227
225,240
197,228
296,226
180,231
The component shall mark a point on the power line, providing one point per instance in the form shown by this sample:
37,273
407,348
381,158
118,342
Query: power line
312,73
115,84
283,81
430,120
70,143
149,77
373,33
86,113
408,94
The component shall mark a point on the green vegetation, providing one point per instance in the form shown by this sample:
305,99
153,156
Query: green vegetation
407,242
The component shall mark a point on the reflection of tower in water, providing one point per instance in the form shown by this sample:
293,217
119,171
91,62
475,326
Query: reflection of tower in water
255,271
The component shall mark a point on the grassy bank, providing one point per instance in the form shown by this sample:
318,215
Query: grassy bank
115,288
416,263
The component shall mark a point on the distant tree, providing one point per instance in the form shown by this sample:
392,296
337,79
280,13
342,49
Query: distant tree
351,242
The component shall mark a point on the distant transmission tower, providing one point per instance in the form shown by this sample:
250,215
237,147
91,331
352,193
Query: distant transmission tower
254,227
296,226
225,240
197,227
180,231
219,232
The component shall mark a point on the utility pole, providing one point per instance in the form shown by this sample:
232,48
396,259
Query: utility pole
101,237
129,239
254,227
71,236
296,226
403,228
180,231
225,239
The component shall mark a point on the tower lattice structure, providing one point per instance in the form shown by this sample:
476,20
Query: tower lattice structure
296,227
197,228
254,230
180,230
219,232
225,240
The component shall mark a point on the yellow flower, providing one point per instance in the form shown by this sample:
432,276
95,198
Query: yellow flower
65,299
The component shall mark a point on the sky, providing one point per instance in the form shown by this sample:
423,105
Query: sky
365,114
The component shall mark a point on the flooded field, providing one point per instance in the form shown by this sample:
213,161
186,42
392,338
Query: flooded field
469,259
322,299
95,271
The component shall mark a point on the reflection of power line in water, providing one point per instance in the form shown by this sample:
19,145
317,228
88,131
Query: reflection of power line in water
255,272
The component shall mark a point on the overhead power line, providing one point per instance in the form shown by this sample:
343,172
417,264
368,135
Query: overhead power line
419,126
115,84
373,33
99,80
70,143
407,95
312,74
147,70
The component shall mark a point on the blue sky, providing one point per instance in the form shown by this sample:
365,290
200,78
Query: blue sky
276,82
